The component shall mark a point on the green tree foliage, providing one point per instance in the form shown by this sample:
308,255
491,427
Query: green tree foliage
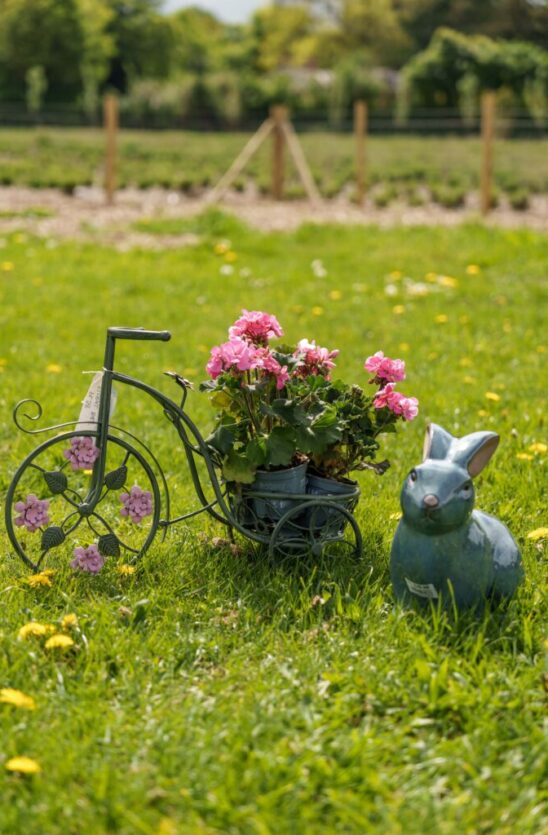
453,61
277,32
46,33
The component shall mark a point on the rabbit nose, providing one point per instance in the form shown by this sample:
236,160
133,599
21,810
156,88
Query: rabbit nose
431,501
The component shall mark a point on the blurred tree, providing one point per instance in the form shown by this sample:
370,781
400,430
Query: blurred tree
143,41
46,33
37,84
277,31
99,50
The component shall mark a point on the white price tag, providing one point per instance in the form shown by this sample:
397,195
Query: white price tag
89,413
422,589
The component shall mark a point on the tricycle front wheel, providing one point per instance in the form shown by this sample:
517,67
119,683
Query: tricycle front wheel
48,507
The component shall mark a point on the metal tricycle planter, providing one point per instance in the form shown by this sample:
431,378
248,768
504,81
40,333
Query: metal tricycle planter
99,484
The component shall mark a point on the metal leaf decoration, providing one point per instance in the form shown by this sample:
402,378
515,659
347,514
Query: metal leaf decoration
116,478
52,537
56,481
109,545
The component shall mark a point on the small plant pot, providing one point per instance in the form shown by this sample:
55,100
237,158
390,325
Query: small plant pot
267,506
343,492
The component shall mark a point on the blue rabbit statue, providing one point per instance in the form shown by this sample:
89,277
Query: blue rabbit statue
441,540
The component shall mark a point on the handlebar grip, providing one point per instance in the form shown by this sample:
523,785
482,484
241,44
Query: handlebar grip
138,333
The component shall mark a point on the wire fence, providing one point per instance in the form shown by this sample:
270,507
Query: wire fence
426,122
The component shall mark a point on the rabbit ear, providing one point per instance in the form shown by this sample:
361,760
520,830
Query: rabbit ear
436,442
473,452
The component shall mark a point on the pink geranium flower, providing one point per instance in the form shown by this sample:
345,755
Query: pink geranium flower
313,359
268,363
33,513
136,504
256,327
384,368
88,559
236,354
399,404
82,453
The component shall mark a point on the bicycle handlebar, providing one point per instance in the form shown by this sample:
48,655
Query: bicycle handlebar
138,333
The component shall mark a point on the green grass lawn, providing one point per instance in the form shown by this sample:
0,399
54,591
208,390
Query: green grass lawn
409,167
217,693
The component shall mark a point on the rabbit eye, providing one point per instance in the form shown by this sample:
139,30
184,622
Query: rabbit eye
413,475
467,487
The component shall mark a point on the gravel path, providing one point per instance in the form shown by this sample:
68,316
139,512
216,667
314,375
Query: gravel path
85,216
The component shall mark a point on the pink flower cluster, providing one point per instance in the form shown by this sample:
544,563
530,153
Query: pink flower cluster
313,359
88,559
384,368
256,327
33,513
82,453
407,407
136,504
239,354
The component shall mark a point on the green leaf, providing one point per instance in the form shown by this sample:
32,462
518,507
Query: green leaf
56,481
290,411
116,478
255,451
109,545
281,446
237,467
221,439
52,537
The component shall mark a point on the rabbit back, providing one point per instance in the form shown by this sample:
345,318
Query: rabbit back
505,555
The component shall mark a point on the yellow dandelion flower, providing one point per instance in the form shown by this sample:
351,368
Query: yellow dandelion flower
335,295
69,621
541,349
221,248
59,641
465,362
492,395
433,355
538,447
395,275
33,629
231,256
507,327
472,269
7,266
23,765
469,380
41,579
441,318
538,533
524,456
3,361
431,277
398,309
483,413
8,696
394,516
53,368
126,570
20,238
87,472
404,346
317,310
447,281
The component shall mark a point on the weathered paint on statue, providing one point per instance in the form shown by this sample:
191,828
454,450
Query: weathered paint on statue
441,541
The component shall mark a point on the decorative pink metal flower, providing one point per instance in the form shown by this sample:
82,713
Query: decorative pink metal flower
33,513
82,453
136,504
88,559
313,359
255,326
385,368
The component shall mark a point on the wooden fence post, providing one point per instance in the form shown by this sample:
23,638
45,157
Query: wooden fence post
360,132
278,114
488,104
110,114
